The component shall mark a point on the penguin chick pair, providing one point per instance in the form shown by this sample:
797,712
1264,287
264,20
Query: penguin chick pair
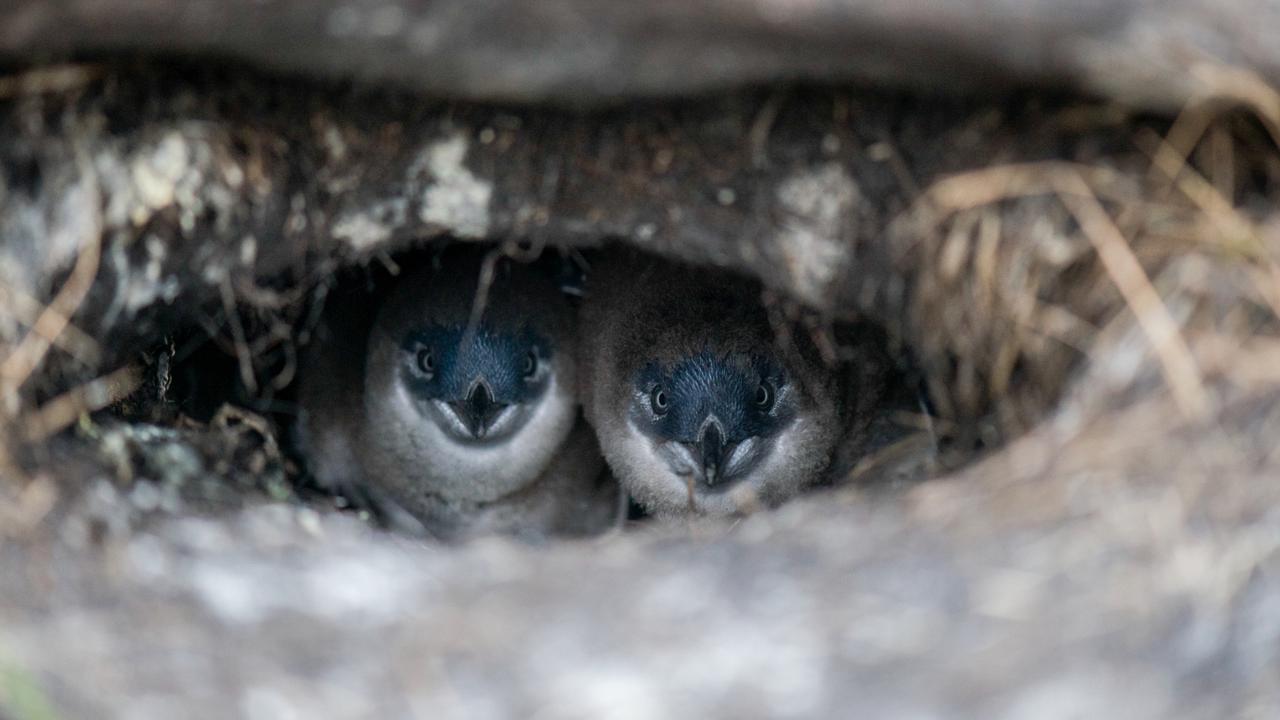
470,424
460,412
699,404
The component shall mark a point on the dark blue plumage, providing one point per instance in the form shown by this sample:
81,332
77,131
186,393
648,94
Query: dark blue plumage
732,387
713,403
506,361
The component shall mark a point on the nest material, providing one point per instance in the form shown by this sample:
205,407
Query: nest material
1090,295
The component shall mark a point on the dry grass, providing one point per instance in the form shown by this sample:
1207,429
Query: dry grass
50,326
55,79
1027,275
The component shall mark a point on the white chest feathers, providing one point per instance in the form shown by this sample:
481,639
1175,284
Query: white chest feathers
415,456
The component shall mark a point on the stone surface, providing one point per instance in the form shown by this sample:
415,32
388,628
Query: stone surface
1094,591
591,51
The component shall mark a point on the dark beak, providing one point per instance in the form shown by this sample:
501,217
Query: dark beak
479,409
711,451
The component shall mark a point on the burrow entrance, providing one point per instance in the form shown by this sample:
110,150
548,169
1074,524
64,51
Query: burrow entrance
997,249
240,375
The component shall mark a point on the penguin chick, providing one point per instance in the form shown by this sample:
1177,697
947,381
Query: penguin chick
697,405
470,427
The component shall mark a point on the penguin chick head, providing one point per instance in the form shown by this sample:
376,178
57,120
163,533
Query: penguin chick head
478,388
713,417
469,395
719,432
700,405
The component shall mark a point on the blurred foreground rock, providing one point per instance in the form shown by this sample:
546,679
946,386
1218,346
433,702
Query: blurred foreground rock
589,51
1104,589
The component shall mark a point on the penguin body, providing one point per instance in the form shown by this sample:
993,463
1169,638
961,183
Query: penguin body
698,403
462,415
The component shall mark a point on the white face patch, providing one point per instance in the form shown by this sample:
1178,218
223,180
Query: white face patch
448,467
644,467
799,455
788,462
679,458
446,413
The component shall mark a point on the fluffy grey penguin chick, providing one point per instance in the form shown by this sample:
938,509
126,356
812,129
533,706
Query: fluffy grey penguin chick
470,428
698,404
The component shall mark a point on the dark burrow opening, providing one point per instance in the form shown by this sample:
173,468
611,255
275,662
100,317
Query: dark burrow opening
238,379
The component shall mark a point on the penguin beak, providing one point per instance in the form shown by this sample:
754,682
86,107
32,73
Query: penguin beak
479,408
711,451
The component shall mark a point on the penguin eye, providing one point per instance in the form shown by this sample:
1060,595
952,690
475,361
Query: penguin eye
658,400
530,364
426,362
764,395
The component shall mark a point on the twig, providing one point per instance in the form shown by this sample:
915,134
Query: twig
61,412
1071,183
898,166
46,80
762,127
244,356
907,447
23,513
976,188
31,350
72,340
1224,83
481,300
1168,160
1176,361
1225,218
